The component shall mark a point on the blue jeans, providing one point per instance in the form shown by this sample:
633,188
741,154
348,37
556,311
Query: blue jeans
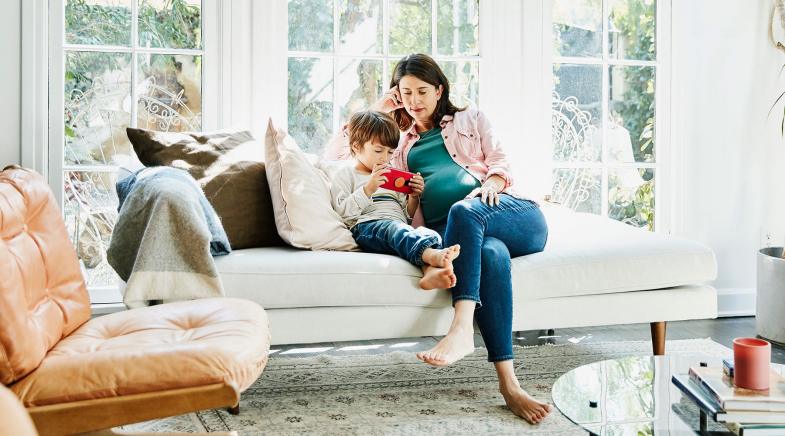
489,237
395,237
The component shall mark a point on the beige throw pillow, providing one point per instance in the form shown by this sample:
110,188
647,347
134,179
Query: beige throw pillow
301,197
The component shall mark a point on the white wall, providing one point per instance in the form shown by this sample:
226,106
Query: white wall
724,82
10,78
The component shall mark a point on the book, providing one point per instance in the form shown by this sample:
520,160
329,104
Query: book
751,417
727,367
756,429
731,398
692,391
707,403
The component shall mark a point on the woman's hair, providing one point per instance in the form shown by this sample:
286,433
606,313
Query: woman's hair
426,69
376,126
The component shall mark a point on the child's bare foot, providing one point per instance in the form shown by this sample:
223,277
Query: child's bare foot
523,405
458,343
437,278
441,257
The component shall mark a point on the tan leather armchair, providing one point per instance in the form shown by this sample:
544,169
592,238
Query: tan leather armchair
74,374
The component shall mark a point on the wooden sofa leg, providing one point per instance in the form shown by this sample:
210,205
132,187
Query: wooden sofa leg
658,338
234,410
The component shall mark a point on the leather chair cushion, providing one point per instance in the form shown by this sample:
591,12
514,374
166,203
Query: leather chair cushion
42,294
170,346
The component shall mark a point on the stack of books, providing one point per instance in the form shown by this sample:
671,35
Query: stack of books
744,411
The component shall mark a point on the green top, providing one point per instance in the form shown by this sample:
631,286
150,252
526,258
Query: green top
446,182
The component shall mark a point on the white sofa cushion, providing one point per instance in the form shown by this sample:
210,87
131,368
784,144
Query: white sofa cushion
285,277
585,255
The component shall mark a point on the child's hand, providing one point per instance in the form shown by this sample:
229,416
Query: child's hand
417,183
377,179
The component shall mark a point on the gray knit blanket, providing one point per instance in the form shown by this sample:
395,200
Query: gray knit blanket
164,239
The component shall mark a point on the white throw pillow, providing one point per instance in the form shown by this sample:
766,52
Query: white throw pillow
301,197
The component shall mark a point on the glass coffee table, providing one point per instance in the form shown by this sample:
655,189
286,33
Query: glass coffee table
634,396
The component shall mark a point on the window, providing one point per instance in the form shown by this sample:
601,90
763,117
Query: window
341,53
605,62
124,63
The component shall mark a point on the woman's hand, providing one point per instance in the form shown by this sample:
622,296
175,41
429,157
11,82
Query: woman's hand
417,183
376,180
390,101
488,195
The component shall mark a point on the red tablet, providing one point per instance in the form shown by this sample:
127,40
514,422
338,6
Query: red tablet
398,180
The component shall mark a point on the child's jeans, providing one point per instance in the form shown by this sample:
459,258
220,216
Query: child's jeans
395,237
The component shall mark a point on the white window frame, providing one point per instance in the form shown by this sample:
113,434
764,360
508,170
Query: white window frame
664,162
43,68
57,48
385,56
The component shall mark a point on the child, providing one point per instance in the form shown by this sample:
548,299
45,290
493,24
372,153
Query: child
377,217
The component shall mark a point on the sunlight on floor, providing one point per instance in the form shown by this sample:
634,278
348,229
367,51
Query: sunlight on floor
311,350
404,344
361,347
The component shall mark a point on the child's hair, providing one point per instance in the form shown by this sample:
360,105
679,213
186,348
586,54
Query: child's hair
367,126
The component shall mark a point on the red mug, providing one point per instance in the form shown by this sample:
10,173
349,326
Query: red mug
751,359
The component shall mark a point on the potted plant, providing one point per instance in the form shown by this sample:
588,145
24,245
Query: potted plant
770,304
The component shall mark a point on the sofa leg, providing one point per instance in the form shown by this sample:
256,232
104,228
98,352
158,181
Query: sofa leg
658,338
234,410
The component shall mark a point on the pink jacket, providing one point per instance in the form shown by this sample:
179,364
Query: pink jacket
468,137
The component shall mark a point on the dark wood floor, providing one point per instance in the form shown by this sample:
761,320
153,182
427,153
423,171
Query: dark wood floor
722,330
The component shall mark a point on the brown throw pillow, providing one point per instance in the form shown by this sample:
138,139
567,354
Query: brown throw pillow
229,166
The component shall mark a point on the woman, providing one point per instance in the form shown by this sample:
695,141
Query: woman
469,200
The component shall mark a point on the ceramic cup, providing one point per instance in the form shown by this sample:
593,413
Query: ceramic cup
751,359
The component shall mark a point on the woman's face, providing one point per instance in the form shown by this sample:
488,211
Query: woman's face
419,98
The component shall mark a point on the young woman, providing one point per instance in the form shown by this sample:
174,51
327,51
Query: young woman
469,199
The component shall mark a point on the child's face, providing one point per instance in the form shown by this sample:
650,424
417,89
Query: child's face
373,153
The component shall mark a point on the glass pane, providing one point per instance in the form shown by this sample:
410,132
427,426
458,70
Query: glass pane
575,112
311,25
98,22
359,85
630,389
170,23
458,25
579,189
464,77
632,26
90,206
631,196
630,134
577,28
310,102
571,391
410,26
360,27
170,92
97,107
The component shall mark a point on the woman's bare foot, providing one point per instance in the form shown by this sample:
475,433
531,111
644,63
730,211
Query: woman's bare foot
458,343
523,405
441,257
437,278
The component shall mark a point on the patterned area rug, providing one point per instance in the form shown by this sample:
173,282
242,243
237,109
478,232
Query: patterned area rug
397,394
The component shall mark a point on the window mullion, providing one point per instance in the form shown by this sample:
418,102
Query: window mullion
605,107
385,43
134,61
336,29
434,25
